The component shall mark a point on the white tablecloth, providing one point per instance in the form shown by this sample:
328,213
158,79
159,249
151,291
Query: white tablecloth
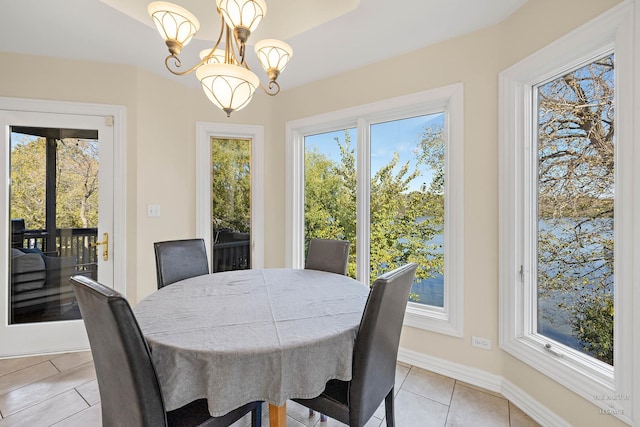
247,335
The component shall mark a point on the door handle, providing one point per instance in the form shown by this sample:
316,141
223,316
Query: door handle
105,243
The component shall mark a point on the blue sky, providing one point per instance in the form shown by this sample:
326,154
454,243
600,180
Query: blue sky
401,136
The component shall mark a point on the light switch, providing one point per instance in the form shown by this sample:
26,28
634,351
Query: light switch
153,211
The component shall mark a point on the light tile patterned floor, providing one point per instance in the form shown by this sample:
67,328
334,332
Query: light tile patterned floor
61,391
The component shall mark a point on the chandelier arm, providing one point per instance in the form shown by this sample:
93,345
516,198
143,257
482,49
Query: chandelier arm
215,46
236,49
178,64
271,85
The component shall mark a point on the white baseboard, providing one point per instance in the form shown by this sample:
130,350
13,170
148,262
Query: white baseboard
479,378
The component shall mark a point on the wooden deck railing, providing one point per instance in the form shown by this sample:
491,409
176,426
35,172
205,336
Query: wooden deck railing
76,242
234,255
70,242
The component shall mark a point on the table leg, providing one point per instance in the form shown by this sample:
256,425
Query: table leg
278,415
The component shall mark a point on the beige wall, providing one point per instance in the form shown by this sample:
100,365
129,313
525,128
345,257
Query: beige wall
35,77
475,60
161,117
160,150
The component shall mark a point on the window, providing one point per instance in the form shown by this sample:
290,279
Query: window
230,204
388,178
329,189
566,205
229,194
575,206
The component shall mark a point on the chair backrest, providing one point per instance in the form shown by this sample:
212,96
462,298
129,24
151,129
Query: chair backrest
375,351
130,393
180,259
328,255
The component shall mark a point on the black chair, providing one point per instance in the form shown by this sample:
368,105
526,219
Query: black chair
180,259
130,393
375,355
328,255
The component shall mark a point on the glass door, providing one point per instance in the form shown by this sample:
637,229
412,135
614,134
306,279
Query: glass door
59,217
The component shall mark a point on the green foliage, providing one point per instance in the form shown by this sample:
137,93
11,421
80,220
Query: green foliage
231,184
76,182
402,222
330,197
593,323
28,164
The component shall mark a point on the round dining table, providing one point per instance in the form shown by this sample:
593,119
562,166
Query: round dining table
252,335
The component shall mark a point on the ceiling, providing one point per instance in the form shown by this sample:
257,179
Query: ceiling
328,36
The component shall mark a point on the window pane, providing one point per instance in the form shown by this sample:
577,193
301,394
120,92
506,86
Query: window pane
330,188
407,202
576,209
54,220
231,204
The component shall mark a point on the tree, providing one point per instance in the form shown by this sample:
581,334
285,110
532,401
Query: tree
403,222
76,181
28,168
330,197
576,195
231,184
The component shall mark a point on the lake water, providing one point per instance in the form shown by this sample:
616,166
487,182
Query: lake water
553,321
430,291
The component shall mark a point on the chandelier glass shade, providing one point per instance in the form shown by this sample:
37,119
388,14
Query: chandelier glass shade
229,87
242,13
223,72
176,25
273,55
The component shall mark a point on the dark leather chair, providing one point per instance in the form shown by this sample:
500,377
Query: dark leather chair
130,393
328,255
374,355
180,259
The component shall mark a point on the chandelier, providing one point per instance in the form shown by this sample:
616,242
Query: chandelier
224,74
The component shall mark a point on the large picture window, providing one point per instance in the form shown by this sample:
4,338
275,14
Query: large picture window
379,177
575,214
566,211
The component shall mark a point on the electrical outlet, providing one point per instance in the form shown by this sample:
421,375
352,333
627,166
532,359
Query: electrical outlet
482,343
153,211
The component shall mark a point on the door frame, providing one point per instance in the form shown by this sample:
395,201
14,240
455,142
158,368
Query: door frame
204,132
114,113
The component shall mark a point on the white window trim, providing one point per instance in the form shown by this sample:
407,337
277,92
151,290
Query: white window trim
204,132
446,320
584,375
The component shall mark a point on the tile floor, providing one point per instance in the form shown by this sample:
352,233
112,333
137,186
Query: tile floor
61,391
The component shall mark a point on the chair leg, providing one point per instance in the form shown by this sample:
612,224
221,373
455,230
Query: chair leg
323,417
256,416
388,407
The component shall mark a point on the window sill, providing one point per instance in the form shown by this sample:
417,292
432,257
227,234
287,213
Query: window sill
433,319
